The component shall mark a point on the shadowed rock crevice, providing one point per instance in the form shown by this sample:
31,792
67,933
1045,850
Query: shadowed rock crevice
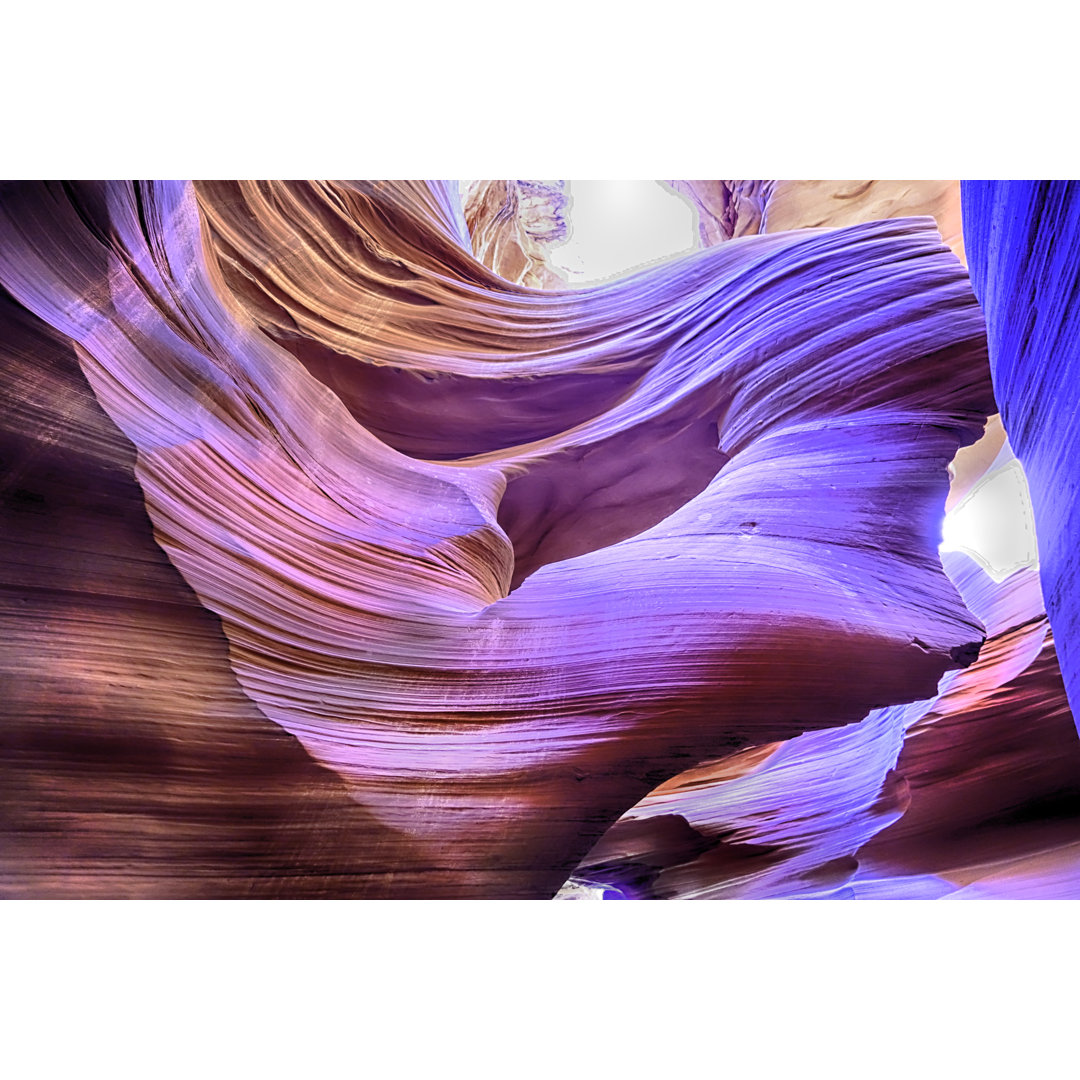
714,488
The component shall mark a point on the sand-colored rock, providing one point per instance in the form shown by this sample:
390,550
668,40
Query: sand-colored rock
506,560
513,224
733,208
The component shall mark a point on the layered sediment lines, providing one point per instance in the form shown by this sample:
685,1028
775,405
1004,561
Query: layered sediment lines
513,224
733,208
131,763
505,560
1024,243
917,800
801,818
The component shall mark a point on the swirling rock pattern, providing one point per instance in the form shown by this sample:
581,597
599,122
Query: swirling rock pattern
131,763
512,225
733,208
802,818
504,560
915,800
1024,243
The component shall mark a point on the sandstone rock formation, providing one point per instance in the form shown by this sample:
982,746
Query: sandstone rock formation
914,801
732,208
1024,241
500,560
512,225
804,817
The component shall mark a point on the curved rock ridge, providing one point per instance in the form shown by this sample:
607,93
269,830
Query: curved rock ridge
993,773
1024,243
733,208
131,763
512,225
505,560
729,209
907,795
920,800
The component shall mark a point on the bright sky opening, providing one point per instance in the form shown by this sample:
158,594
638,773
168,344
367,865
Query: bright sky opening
618,226
995,523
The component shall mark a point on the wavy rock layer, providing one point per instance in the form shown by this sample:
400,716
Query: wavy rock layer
1024,243
504,560
986,770
512,225
793,819
733,208
131,763
974,792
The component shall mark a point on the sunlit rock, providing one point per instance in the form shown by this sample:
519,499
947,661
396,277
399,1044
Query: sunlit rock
981,781
734,208
501,560
512,226
1023,240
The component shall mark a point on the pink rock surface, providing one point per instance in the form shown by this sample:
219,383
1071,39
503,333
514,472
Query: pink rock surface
503,560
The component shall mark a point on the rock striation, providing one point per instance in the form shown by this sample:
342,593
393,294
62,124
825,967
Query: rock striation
512,226
971,793
733,208
501,561
1024,243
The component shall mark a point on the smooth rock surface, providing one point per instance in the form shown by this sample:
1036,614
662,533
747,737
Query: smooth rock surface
501,560
1023,240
